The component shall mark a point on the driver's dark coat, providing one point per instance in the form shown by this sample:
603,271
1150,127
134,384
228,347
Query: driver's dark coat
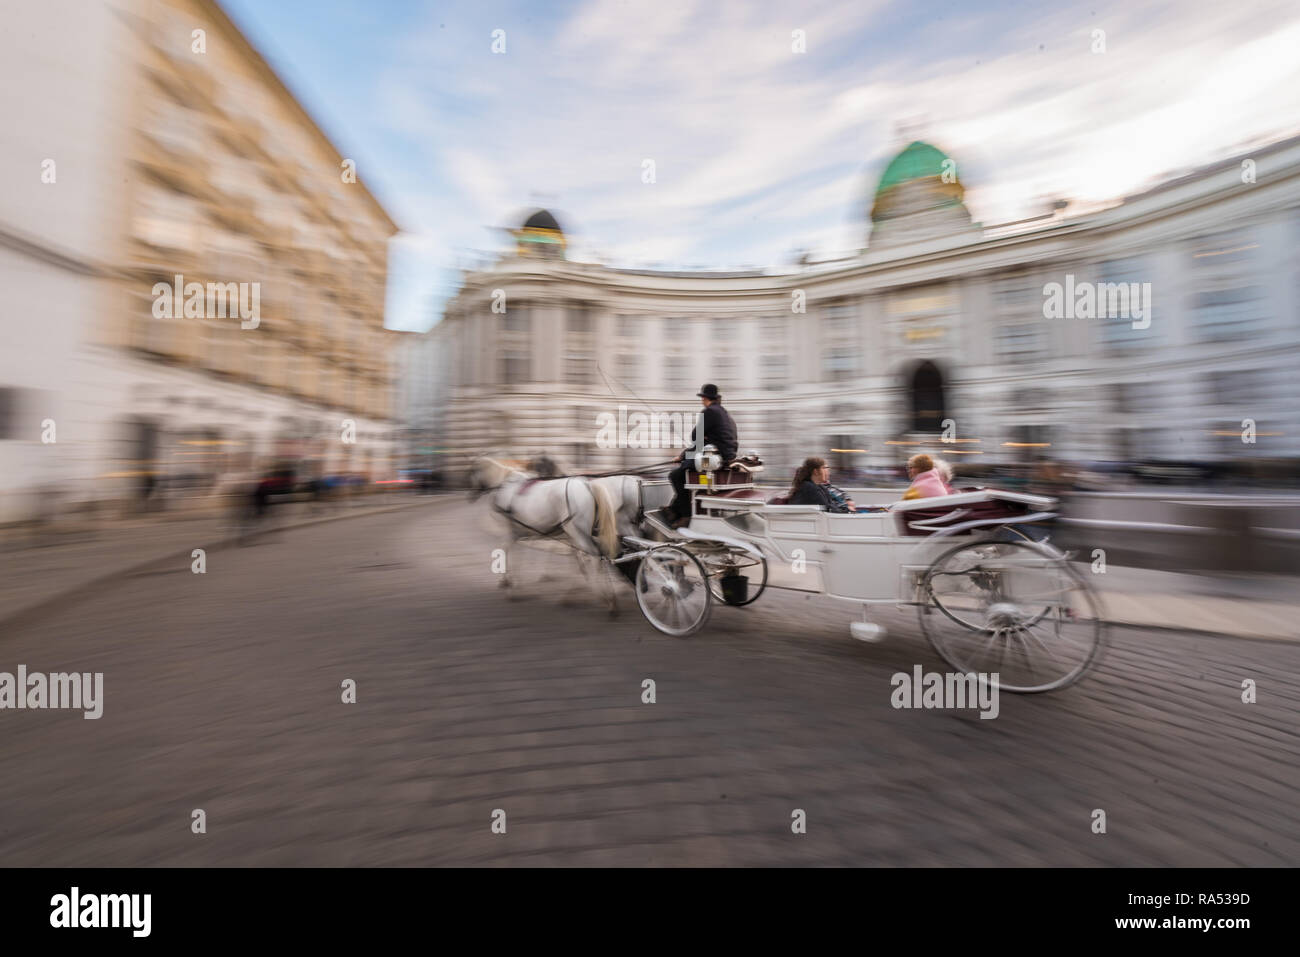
720,431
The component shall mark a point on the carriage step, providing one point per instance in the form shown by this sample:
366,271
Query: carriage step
867,631
655,519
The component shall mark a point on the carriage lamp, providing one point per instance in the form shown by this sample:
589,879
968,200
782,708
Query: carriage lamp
707,461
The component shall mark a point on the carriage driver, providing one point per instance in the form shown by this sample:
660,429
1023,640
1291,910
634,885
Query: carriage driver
720,432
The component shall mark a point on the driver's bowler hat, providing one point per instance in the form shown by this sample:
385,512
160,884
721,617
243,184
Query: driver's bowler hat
709,391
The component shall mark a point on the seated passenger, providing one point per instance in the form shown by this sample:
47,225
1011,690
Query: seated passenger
945,473
928,478
812,486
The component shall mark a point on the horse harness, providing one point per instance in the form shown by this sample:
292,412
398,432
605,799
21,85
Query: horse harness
523,487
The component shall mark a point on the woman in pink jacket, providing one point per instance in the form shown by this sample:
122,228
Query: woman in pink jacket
927,478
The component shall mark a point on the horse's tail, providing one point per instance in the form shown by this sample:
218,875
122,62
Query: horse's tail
606,520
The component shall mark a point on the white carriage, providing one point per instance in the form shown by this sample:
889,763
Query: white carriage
991,597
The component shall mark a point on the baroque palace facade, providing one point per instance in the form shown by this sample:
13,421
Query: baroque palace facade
936,330
162,145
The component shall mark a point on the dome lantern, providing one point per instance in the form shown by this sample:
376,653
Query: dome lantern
540,235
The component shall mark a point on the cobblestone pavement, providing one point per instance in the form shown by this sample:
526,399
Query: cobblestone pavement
41,568
222,692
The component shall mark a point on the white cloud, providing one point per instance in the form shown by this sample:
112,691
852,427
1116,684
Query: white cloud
735,121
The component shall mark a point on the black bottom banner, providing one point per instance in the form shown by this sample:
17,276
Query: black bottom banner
96,906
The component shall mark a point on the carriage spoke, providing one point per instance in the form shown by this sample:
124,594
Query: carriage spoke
987,645
1017,595
1029,632
1024,650
1002,648
671,612
672,589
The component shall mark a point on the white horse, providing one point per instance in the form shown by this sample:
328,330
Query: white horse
571,508
625,491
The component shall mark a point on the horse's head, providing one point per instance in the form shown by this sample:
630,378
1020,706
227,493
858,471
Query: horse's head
484,475
545,467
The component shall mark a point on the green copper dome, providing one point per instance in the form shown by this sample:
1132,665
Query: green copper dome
917,161
918,179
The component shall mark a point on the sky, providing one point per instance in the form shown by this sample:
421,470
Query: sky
760,152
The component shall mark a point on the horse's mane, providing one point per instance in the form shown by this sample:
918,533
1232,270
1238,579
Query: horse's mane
495,472
547,466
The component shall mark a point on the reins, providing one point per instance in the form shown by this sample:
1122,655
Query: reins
639,470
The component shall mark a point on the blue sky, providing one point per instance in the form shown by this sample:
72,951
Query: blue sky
759,151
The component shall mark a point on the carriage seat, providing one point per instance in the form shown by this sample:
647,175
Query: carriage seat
779,500
918,518
728,475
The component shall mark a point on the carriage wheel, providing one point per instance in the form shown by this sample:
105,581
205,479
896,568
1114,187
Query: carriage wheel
731,565
672,590
1013,608
1020,535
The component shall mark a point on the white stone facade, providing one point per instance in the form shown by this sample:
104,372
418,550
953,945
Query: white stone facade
128,157
1222,258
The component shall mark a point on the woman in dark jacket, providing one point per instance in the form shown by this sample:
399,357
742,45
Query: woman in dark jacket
811,486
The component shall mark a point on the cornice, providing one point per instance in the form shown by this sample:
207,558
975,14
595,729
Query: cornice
938,260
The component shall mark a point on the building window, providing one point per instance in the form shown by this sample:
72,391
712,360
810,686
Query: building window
840,348
629,327
1019,335
629,370
515,367
1229,301
1295,258
578,321
579,368
1020,342
840,321
1029,400
1228,313
1018,296
167,219
1136,398
236,178
1120,296
516,321
1237,387
515,345
175,126
839,364
776,372
8,412
724,372
677,373
722,364
678,330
